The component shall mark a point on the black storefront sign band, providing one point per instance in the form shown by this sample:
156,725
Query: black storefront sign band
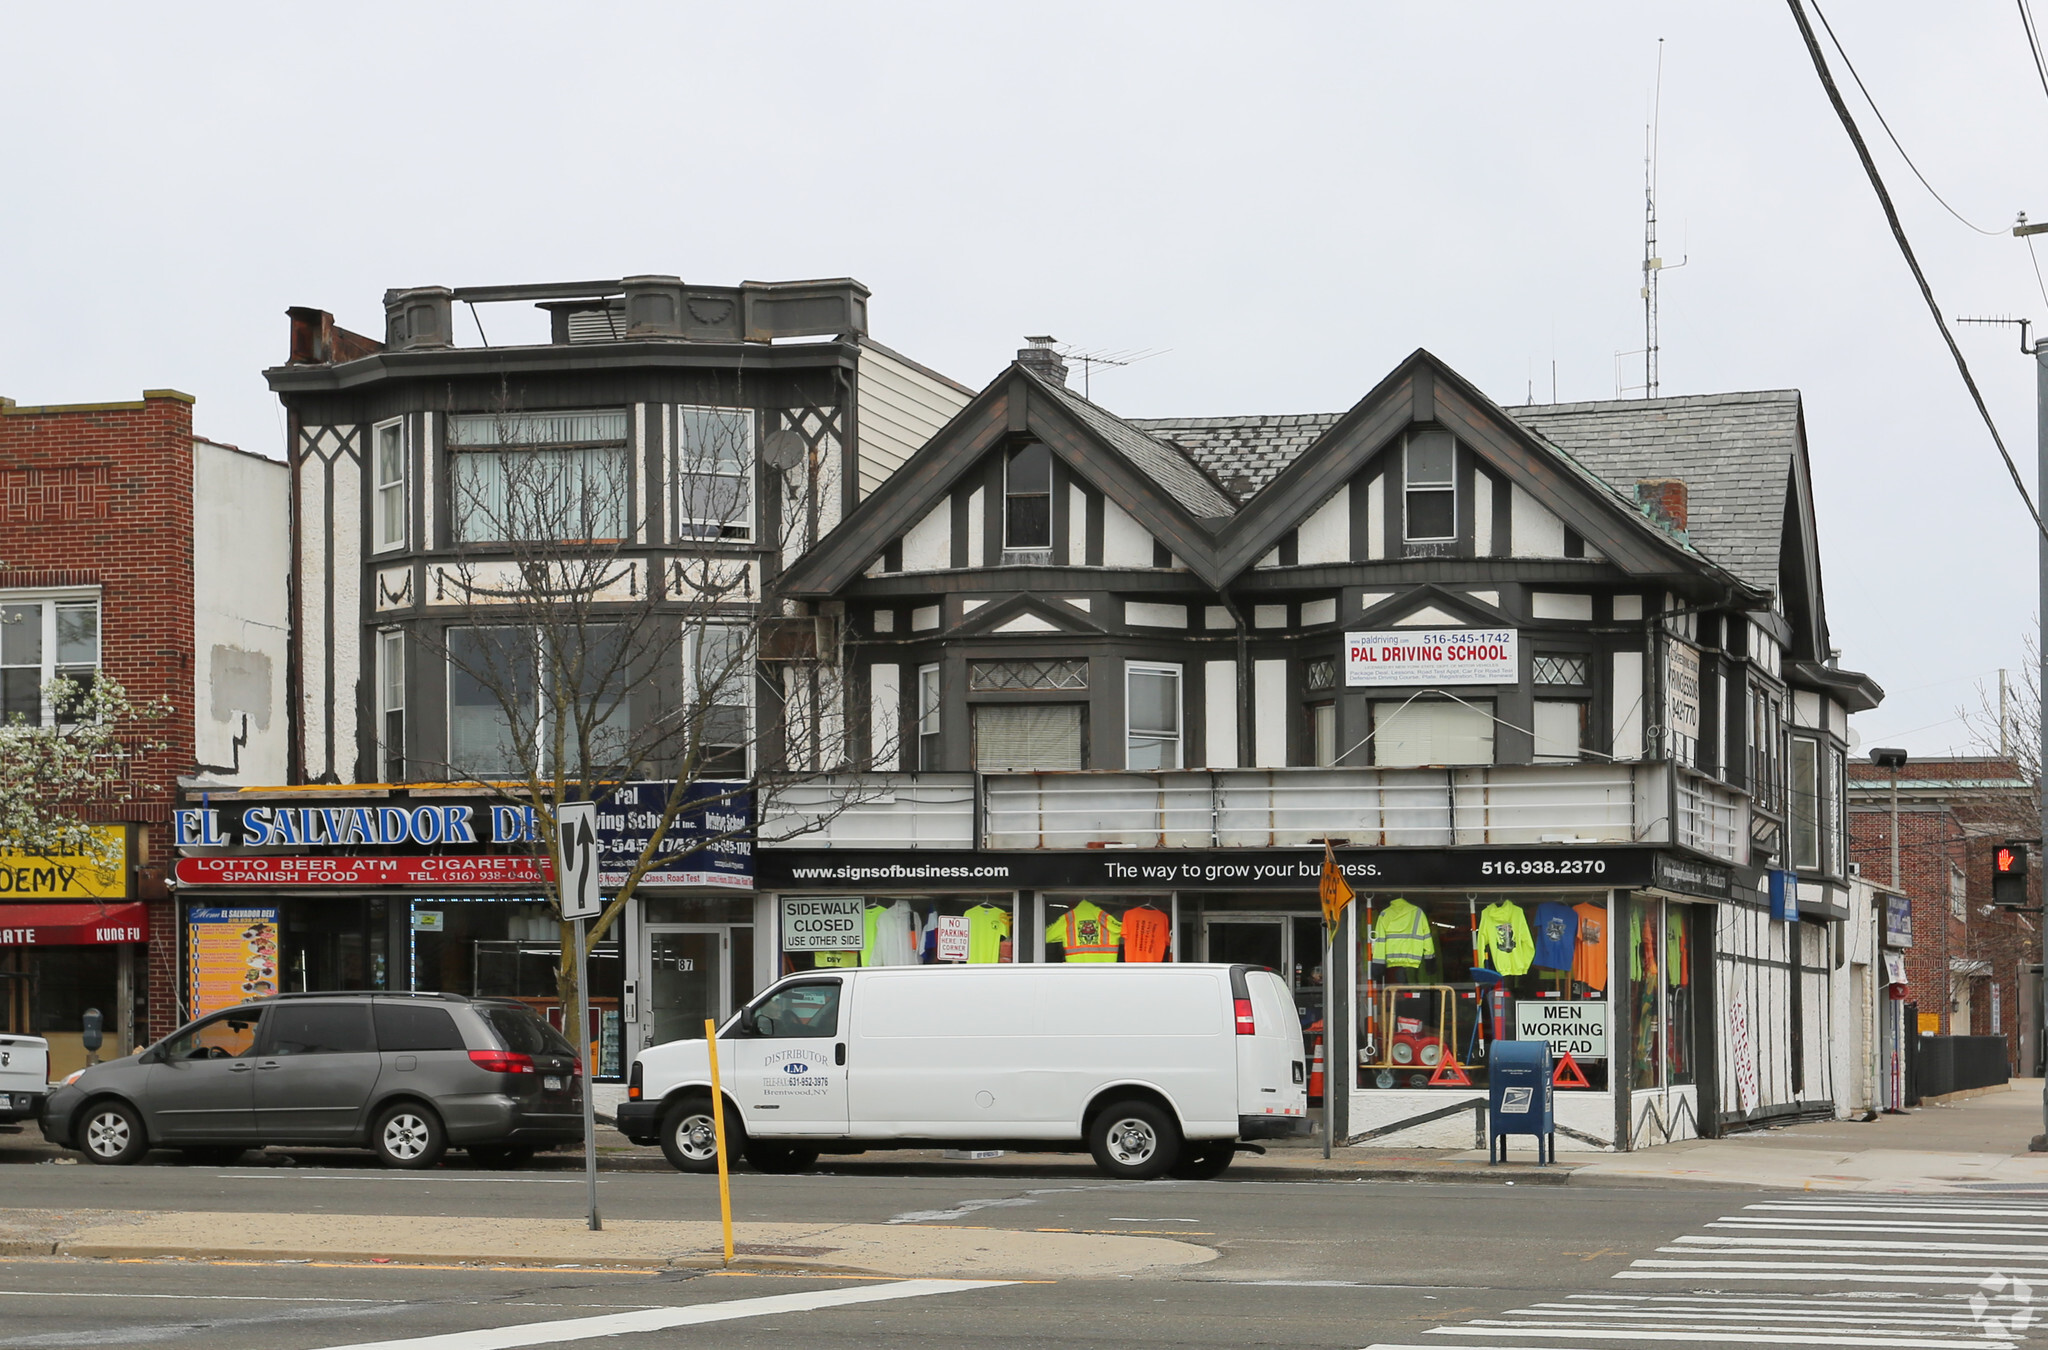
1205,869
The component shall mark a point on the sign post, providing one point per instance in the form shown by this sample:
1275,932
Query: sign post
1336,895
576,866
718,1137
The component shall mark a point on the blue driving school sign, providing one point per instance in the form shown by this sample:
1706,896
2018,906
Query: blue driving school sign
709,843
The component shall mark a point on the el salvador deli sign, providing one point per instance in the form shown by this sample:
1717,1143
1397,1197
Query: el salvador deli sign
1431,656
708,843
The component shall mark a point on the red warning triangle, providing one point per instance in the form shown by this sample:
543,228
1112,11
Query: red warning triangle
1568,1073
1449,1074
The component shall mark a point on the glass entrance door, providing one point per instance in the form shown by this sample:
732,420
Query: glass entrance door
693,971
1254,941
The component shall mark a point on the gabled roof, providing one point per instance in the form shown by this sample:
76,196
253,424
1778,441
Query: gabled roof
1167,465
1734,451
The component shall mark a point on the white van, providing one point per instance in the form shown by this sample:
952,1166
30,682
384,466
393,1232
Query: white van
1154,1069
24,1076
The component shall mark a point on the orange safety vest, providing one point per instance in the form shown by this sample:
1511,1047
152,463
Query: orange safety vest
1089,933
1145,934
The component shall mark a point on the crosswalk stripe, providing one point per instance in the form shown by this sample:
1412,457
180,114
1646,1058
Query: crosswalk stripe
1796,1246
1750,1337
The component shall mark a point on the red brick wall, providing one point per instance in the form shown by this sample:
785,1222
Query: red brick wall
102,495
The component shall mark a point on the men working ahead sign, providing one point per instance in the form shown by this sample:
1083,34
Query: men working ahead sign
1576,1029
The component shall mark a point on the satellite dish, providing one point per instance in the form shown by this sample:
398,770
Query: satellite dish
783,449
1855,740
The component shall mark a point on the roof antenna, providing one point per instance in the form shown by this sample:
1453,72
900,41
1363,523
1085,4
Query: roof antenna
1128,356
1653,265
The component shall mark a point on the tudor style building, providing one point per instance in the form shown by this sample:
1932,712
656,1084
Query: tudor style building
1556,680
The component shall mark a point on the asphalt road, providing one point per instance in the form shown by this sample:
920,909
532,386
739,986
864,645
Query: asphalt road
1340,1264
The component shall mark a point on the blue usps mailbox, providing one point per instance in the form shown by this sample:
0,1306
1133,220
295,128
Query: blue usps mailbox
1518,1098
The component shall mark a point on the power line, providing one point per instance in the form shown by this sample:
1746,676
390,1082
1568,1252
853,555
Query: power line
2034,43
1888,128
1891,215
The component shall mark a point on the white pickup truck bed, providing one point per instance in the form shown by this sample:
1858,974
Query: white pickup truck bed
24,1075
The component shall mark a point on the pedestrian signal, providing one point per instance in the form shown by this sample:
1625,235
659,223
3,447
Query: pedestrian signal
2009,875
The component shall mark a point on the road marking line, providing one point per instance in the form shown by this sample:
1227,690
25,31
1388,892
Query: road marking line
203,1298
662,1319
1754,1338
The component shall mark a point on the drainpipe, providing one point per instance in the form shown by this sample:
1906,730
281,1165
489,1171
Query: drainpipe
1245,752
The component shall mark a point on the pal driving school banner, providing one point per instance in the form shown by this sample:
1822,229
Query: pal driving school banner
1431,656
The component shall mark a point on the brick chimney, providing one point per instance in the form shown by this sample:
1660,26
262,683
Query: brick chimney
1664,501
1043,361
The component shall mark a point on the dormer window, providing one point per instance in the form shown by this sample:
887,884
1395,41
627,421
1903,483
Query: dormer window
1027,499
1432,486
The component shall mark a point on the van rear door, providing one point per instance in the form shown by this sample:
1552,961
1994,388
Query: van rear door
1271,1077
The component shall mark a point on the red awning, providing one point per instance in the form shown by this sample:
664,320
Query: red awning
75,925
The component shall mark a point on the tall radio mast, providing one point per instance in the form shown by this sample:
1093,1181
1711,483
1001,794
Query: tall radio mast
1653,265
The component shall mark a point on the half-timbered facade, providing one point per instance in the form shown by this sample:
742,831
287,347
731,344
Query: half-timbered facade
1553,677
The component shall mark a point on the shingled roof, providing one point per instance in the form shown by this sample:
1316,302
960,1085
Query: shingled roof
1734,452
1167,465
1256,448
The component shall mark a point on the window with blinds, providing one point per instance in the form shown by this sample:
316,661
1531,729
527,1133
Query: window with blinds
539,475
1029,736
1428,732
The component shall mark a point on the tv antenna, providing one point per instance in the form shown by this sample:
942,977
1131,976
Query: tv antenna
1653,265
1127,356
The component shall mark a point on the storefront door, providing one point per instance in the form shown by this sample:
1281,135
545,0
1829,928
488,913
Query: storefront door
1253,941
688,978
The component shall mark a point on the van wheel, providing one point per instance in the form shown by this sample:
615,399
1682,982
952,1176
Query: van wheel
782,1159
1134,1140
689,1135
408,1136
1205,1161
111,1133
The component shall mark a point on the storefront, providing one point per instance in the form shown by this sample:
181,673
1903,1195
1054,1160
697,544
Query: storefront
72,938
1601,951
441,893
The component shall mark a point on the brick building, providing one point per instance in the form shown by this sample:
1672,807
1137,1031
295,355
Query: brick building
1968,965
132,547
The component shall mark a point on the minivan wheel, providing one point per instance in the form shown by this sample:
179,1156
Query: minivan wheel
1204,1161
1134,1140
780,1158
111,1133
689,1136
408,1135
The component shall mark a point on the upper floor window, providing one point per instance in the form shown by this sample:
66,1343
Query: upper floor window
538,476
391,706
722,680
42,640
1151,716
714,473
1432,486
387,460
1027,737
516,693
929,746
1421,732
1027,498
1816,809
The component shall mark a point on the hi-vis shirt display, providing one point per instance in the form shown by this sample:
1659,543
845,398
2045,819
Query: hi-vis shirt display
1146,934
1504,941
1401,936
988,927
1557,936
1089,934
1589,965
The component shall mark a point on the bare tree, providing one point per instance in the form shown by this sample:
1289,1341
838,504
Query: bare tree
2010,727
582,653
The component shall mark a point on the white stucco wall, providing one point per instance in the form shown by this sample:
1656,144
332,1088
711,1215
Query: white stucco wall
241,563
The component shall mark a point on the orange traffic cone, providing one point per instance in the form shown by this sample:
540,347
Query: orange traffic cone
1315,1071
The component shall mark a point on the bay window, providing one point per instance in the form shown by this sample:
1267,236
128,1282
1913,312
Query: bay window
387,487
714,473
523,701
539,476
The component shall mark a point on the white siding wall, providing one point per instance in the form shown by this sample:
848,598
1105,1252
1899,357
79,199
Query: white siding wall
977,541
1077,525
885,718
1325,536
1533,531
928,545
1269,713
1125,543
899,409
1376,518
1219,685
1482,515
1628,705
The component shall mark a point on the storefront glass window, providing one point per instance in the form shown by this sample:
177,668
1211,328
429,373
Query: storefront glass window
1107,929
1660,986
510,948
901,930
1441,978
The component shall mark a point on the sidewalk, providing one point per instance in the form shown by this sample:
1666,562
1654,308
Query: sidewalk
1975,1145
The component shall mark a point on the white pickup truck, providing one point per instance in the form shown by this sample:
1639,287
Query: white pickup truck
24,1075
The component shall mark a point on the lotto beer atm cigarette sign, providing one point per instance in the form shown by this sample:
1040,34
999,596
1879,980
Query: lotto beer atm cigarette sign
1431,656
1576,1029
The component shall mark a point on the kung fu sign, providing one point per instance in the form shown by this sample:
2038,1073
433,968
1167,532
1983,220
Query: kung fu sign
1431,657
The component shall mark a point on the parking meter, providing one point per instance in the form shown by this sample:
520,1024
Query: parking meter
1518,1098
91,1028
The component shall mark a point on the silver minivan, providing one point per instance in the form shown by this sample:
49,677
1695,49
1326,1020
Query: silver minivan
405,1075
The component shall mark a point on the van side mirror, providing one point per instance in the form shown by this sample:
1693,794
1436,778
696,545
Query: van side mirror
764,1025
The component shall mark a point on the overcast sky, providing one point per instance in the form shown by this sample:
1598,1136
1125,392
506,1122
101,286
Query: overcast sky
1285,199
